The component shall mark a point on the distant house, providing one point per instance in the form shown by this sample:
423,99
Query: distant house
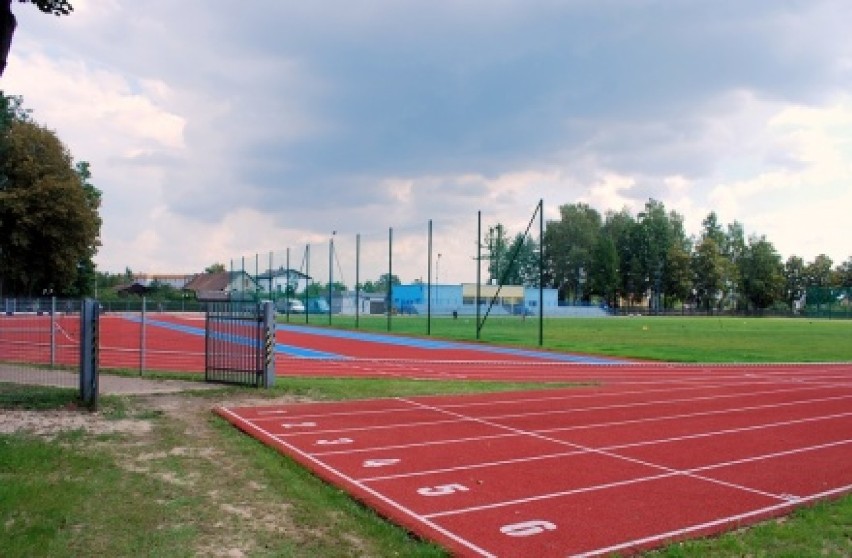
174,280
222,286
278,280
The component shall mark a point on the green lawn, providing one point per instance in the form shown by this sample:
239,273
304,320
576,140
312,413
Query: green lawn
672,339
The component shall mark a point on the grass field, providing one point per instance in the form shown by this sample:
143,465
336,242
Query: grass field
161,476
673,339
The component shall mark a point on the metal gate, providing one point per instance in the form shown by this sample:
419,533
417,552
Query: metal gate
240,343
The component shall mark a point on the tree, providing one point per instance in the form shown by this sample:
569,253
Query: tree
843,274
708,272
818,280
215,268
818,272
527,265
8,21
381,285
603,276
86,277
619,226
569,243
795,282
677,283
762,273
497,244
49,223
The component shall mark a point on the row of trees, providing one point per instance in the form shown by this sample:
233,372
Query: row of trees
49,220
649,258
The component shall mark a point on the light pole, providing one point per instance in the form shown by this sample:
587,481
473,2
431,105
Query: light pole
330,272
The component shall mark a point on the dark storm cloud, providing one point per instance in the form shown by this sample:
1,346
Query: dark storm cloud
412,92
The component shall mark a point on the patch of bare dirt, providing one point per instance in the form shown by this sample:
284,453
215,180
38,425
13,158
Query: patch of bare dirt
49,424
173,438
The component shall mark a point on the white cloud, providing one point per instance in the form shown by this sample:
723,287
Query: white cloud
217,132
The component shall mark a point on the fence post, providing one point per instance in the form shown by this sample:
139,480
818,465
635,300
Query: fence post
52,331
269,345
89,321
142,334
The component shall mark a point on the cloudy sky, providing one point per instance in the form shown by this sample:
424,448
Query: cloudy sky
219,133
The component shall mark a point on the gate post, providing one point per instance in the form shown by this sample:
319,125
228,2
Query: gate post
269,344
89,321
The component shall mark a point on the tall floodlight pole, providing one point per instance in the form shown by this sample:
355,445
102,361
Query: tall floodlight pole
287,285
429,281
390,276
478,265
308,280
357,279
540,272
330,271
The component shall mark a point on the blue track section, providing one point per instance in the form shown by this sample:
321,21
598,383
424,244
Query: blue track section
443,345
279,347
432,344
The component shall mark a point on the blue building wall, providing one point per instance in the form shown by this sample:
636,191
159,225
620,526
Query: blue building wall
447,298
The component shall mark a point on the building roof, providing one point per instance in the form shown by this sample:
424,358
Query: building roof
281,272
214,286
219,281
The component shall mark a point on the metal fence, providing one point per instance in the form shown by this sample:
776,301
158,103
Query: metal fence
240,344
50,342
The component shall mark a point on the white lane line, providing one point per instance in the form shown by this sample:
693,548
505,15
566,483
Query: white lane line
629,459
640,480
733,519
779,424
379,496
565,429
611,448
442,410
568,397
773,455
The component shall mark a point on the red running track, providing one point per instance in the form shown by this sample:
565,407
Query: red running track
658,454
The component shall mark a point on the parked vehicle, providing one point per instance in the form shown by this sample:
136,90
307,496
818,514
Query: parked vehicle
290,307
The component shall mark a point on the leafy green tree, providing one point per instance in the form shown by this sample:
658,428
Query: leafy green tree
619,227
8,22
818,279
85,283
569,243
762,273
734,249
708,271
795,280
677,284
656,233
49,222
498,251
384,281
843,274
603,275
215,268
818,272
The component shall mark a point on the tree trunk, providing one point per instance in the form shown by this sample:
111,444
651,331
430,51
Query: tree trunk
7,29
